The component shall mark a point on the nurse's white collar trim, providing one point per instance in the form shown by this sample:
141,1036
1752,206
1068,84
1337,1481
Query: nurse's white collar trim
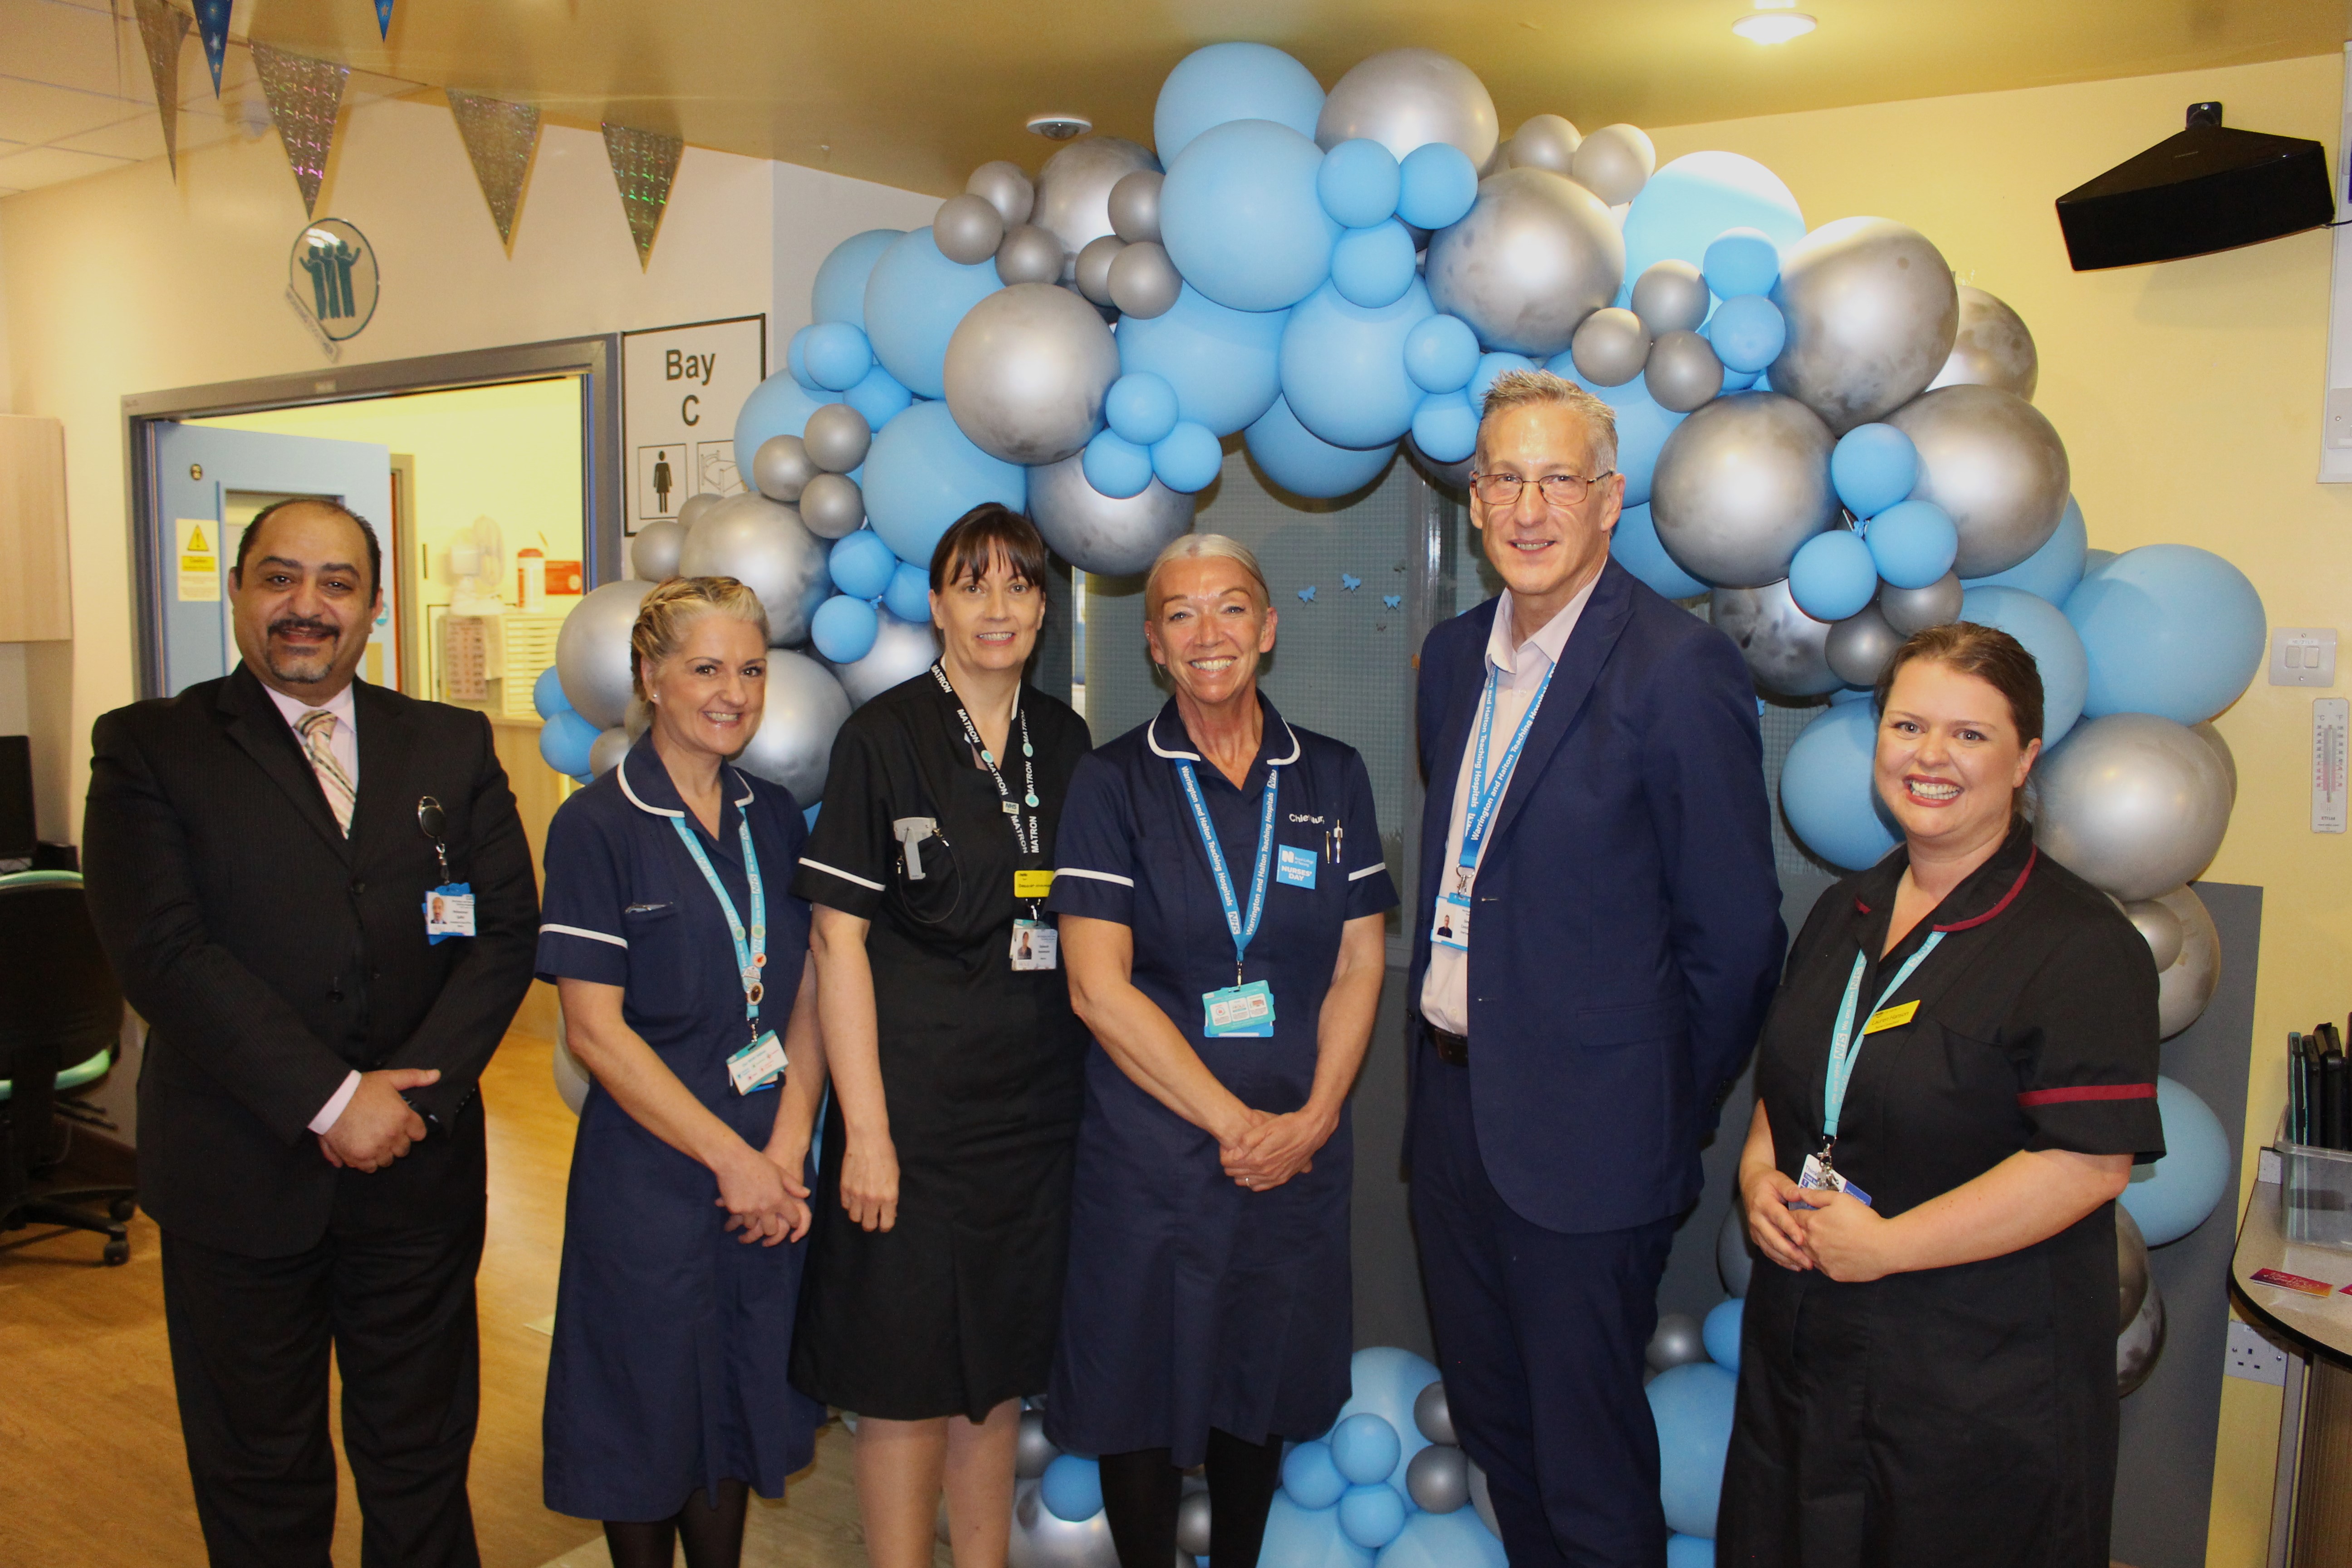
1152,739
622,769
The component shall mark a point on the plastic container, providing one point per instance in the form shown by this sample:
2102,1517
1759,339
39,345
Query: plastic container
2316,1195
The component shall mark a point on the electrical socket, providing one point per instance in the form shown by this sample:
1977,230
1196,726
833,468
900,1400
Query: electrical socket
2254,1358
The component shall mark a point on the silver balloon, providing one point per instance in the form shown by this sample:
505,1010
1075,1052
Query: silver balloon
1670,296
638,719
1683,373
1614,162
1033,1450
591,651
652,554
1135,207
1042,1540
1193,1523
2185,987
1029,255
1536,254
2140,1343
609,749
1787,650
1733,1260
1739,485
780,468
1406,99
2131,1268
1910,610
694,506
1993,461
1544,142
833,507
1872,309
1859,647
794,745
1611,346
2159,927
968,230
1676,1342
837,438
1144,282
763,544
1438,1479
1993,348
1093,268
901,651
1433,1416
572,1079
2134,804
1096,534
1482,1500
1026,372
1005,187
1074,189
2213,737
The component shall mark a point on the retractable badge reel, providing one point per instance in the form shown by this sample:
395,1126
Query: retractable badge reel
449,907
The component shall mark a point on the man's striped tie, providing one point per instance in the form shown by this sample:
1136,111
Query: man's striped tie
318,729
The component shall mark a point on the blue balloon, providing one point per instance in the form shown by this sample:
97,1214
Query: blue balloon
1740,380
563,742
1295,1537
1827,790
797,360
1227,83
2093,560
879,397
1685,207
1441,354
2171,630
1490,367
2050,637
1366,1448
1635,545
1642,427
1720,1333
923,473
1385,1380
1748,333
844,628
1373,267
1071,1488
1241,220
2052,571
1224,363
1358,182
1455,1539
1343,366
1371,1516
1297,459
547,695
1188,459
1872,467
1692,1405
1310,1478
777,407
1914,542
914,301
836,355
1445,427
1436,186
908,597
1850,694
1141,407
840,292
1116,466
1689,1551
2171,1197
861,564
1831,576
1740,262
808,817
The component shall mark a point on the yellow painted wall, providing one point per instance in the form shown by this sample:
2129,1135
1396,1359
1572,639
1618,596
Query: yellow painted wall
2189,395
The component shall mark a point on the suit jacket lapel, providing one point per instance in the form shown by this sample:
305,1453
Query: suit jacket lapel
1588,649
254,723
1446,761
384,805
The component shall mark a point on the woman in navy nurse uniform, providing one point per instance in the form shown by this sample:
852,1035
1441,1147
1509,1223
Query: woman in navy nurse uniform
668,910
1207,1316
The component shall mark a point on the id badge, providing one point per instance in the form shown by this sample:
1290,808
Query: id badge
1238,1010
1451,926
1817,1175
759,1065
1036,945
448,912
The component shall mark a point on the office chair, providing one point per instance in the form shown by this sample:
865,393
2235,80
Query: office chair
60,1024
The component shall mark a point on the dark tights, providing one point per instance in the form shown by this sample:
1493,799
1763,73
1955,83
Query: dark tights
712,1532
1140,1491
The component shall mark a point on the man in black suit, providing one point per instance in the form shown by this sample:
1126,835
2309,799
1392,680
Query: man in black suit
260,852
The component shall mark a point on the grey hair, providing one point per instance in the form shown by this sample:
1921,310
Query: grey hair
1520,388
1203,547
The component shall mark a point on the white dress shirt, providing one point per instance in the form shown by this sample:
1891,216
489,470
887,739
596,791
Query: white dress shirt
345,745
1445,988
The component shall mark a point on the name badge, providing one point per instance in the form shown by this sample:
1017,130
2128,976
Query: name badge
1891,1017
1817,1175
1451,925
448,912
1238,1010
1035,945
758,1066
1032,884
1293,868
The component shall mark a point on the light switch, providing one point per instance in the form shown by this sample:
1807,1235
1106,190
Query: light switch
2303,656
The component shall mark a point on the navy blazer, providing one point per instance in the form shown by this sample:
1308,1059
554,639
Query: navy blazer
1627,935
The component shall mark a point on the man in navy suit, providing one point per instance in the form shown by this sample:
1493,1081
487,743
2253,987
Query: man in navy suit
1599,932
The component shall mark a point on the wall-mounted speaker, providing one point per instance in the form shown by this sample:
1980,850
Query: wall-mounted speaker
2209,188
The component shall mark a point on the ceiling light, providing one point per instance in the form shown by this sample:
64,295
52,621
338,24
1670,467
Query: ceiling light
1060,127
1774,27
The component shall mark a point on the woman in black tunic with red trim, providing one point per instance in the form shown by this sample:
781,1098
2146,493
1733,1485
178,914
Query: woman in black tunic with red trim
1927,1375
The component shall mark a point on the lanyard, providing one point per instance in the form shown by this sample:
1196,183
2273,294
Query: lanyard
1486,794
1243,929
1025,842
1845,1044
752,950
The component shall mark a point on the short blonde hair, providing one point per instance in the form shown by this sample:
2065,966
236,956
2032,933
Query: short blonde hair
1522,388
1203,547
671,610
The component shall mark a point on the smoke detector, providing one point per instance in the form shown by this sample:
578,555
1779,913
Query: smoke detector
1060,127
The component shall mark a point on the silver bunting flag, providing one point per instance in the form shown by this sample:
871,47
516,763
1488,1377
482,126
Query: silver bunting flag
304,96
644,164
163,29
500,137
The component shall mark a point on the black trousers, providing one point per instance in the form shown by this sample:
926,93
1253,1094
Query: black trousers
249,1341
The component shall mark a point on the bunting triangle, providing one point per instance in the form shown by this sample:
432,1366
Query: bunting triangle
500,137
383,19
644,164
164,30
304,96
211,26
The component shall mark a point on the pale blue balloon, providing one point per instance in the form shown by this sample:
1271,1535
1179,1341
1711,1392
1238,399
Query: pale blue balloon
1071,1488
1692,1404
1689,1551
1225,82
879,397
797,360
1872,467
547,697
1914,542
1438,183
1309,1477
1373,267
1441,354
1832,575
840,292
1116,466
1455,1539
1297,459
1224,363
2043,628
2173,1196
1827,792
908,597
861,565
1748,333
1343,366
1642,427
1635,544
1366,1448
1141,407
1188,459
1740,380
1385,1380
2093,560
2171,630
1688,204
777,407
1371,1516
836,355
2052,571
914,301
1719,1331
1240,217
1358,182
1491,367
1740,262
923,473
1296,1538
564,741
844,628
1445,427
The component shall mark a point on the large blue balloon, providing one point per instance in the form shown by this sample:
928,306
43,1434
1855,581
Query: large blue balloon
861,564
777,407
1689,1551
1358,182
564,741
2171,1197
1343,366
1311,1477
1071,1488
914,301
1827,792
840,292
547,694
1742,262
843,629
2171,630
1445,427
2052,571
1295,1537
1455,1539
923,473
1373,267
1832,575
1225,82
1299,461
1721,1333
879,397
1872,467
1692,1405
1642,427
1241,218
1385,1380
1686,205
1224,363
1635,545
2050,637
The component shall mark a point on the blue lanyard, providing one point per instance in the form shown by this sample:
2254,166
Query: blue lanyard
1486,794
1845,1044
751,949
1243,929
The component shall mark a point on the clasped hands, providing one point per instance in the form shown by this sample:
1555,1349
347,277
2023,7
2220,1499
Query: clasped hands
763,1192
1840,1234
1267,1149
377,1126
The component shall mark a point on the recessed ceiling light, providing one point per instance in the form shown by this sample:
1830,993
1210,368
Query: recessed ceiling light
1774,27
1060,127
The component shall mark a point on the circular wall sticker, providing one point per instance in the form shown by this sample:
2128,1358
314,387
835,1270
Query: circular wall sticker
334,276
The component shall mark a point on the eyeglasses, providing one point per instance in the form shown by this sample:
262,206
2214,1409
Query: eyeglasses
1562,490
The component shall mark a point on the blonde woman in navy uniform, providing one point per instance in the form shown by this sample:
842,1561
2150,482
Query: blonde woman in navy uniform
1221,894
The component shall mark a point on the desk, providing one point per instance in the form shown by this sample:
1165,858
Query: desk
2311,1508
